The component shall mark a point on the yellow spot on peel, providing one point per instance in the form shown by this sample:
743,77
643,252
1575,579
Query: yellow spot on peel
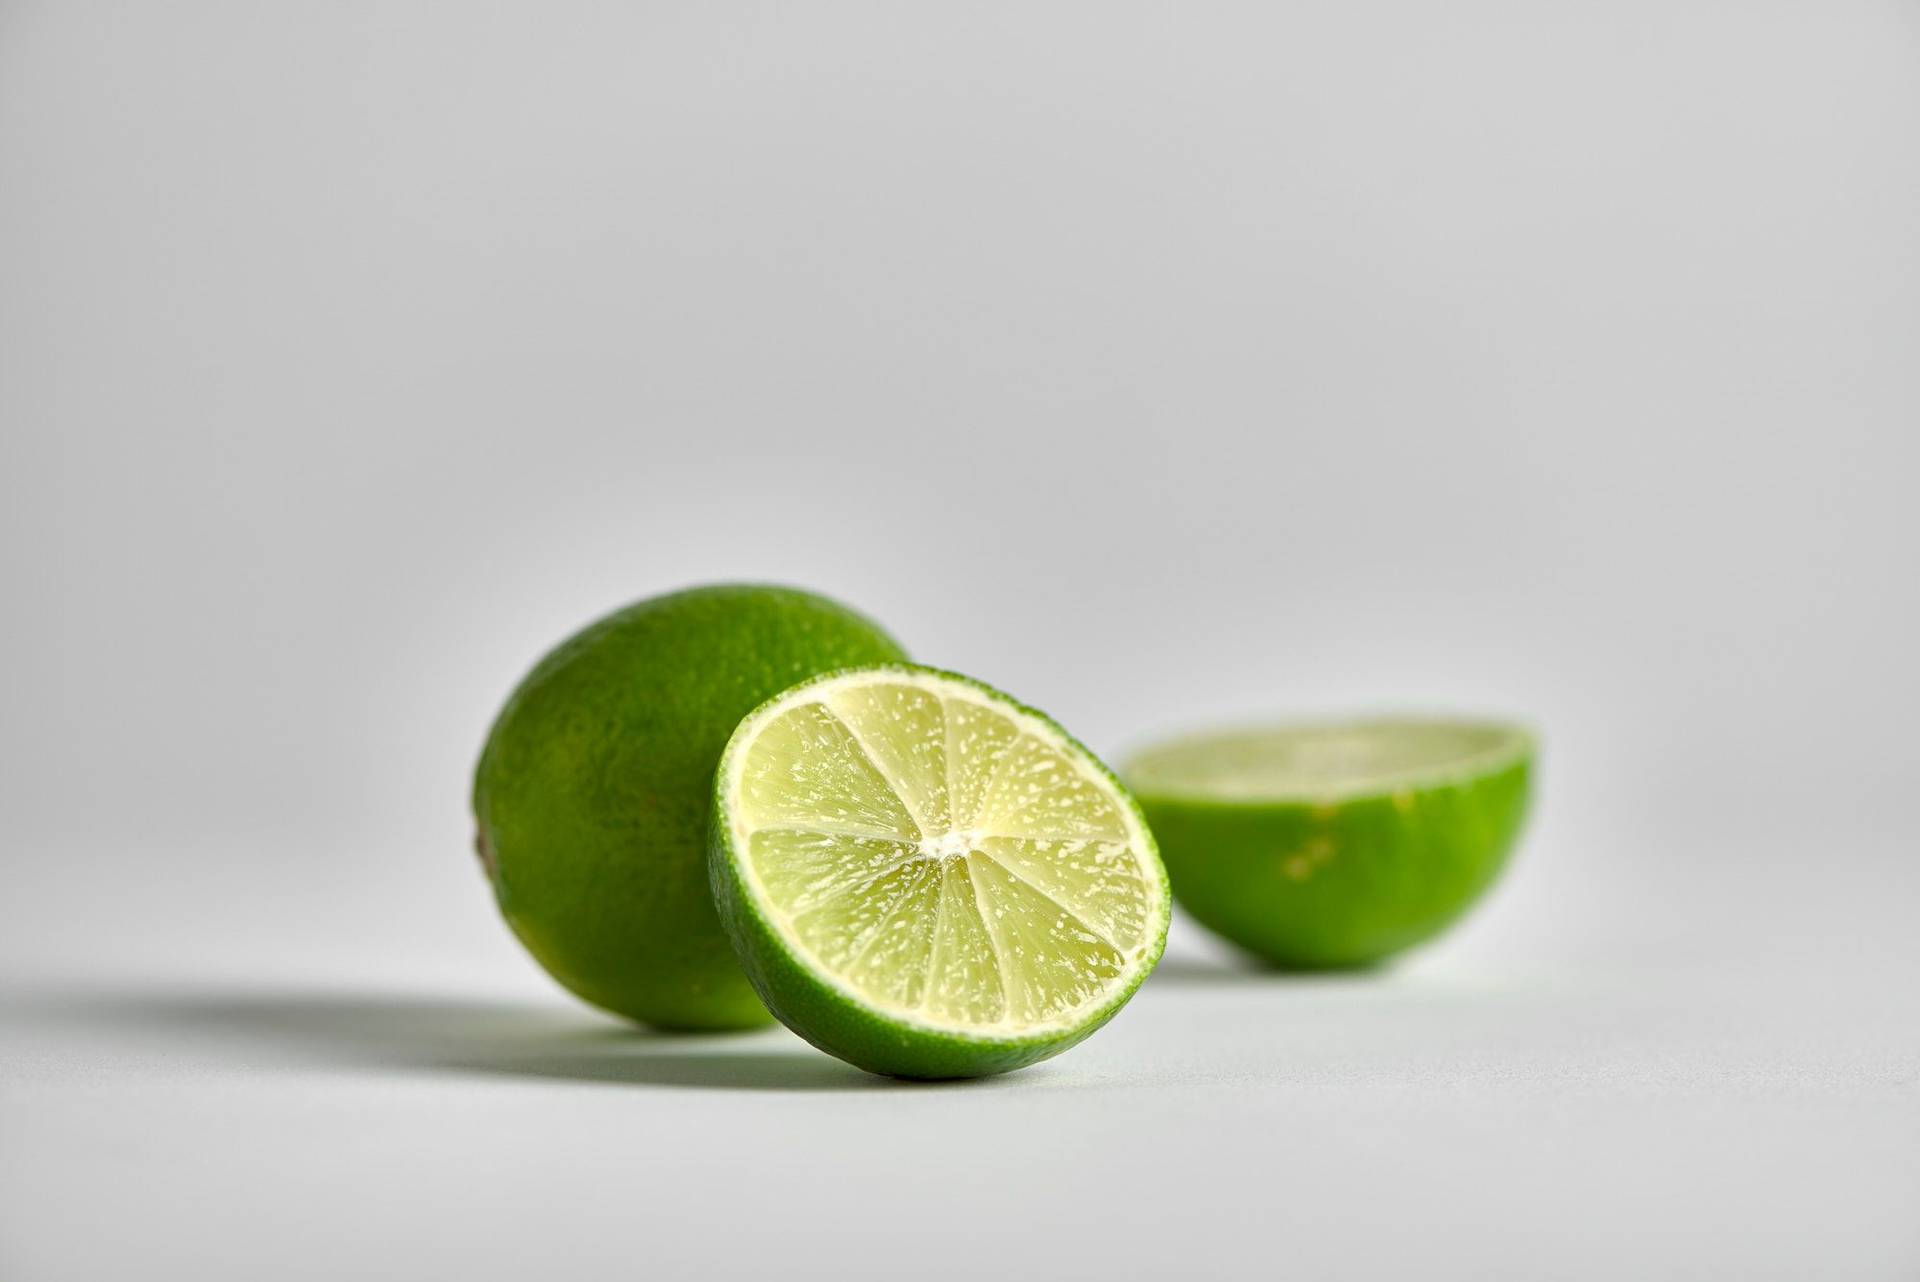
1403,802
1298,867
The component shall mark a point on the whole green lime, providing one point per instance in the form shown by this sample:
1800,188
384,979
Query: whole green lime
1335,845
593,790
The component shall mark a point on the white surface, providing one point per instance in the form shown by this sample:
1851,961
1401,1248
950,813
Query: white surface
1160,363
1716,1075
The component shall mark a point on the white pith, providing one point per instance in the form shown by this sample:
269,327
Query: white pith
947,851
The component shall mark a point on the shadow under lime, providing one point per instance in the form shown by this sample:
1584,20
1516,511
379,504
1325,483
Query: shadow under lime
388,1033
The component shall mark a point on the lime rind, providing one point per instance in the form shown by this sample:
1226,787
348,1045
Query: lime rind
872,1016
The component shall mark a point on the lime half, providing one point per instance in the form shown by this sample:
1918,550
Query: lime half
1334,845
927,879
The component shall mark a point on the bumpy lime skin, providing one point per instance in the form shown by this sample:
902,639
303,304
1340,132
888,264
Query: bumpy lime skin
1339,884
592,792
862,1035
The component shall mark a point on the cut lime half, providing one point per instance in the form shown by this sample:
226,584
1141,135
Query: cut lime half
927,879
1335,844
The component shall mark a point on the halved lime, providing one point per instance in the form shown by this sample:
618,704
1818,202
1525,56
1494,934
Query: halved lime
1333,845
927,879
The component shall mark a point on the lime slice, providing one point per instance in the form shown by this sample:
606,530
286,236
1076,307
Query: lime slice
927,879
1333,845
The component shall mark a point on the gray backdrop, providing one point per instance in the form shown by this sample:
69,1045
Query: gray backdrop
1163,364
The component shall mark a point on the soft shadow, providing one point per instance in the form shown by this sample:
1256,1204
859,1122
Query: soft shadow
383,1033
1201,972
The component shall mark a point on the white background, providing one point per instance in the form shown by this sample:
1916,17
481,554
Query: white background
1163,364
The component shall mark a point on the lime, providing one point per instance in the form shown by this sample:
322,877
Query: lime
927,879
593,790
1335,845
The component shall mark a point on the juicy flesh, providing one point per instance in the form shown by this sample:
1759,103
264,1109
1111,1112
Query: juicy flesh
940,858
1321,761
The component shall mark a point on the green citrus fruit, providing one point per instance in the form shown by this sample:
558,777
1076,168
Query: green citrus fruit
1335,845
593,790
927,879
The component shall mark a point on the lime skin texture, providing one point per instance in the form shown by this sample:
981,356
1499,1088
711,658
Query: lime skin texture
592,792
875,1039
1343,881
